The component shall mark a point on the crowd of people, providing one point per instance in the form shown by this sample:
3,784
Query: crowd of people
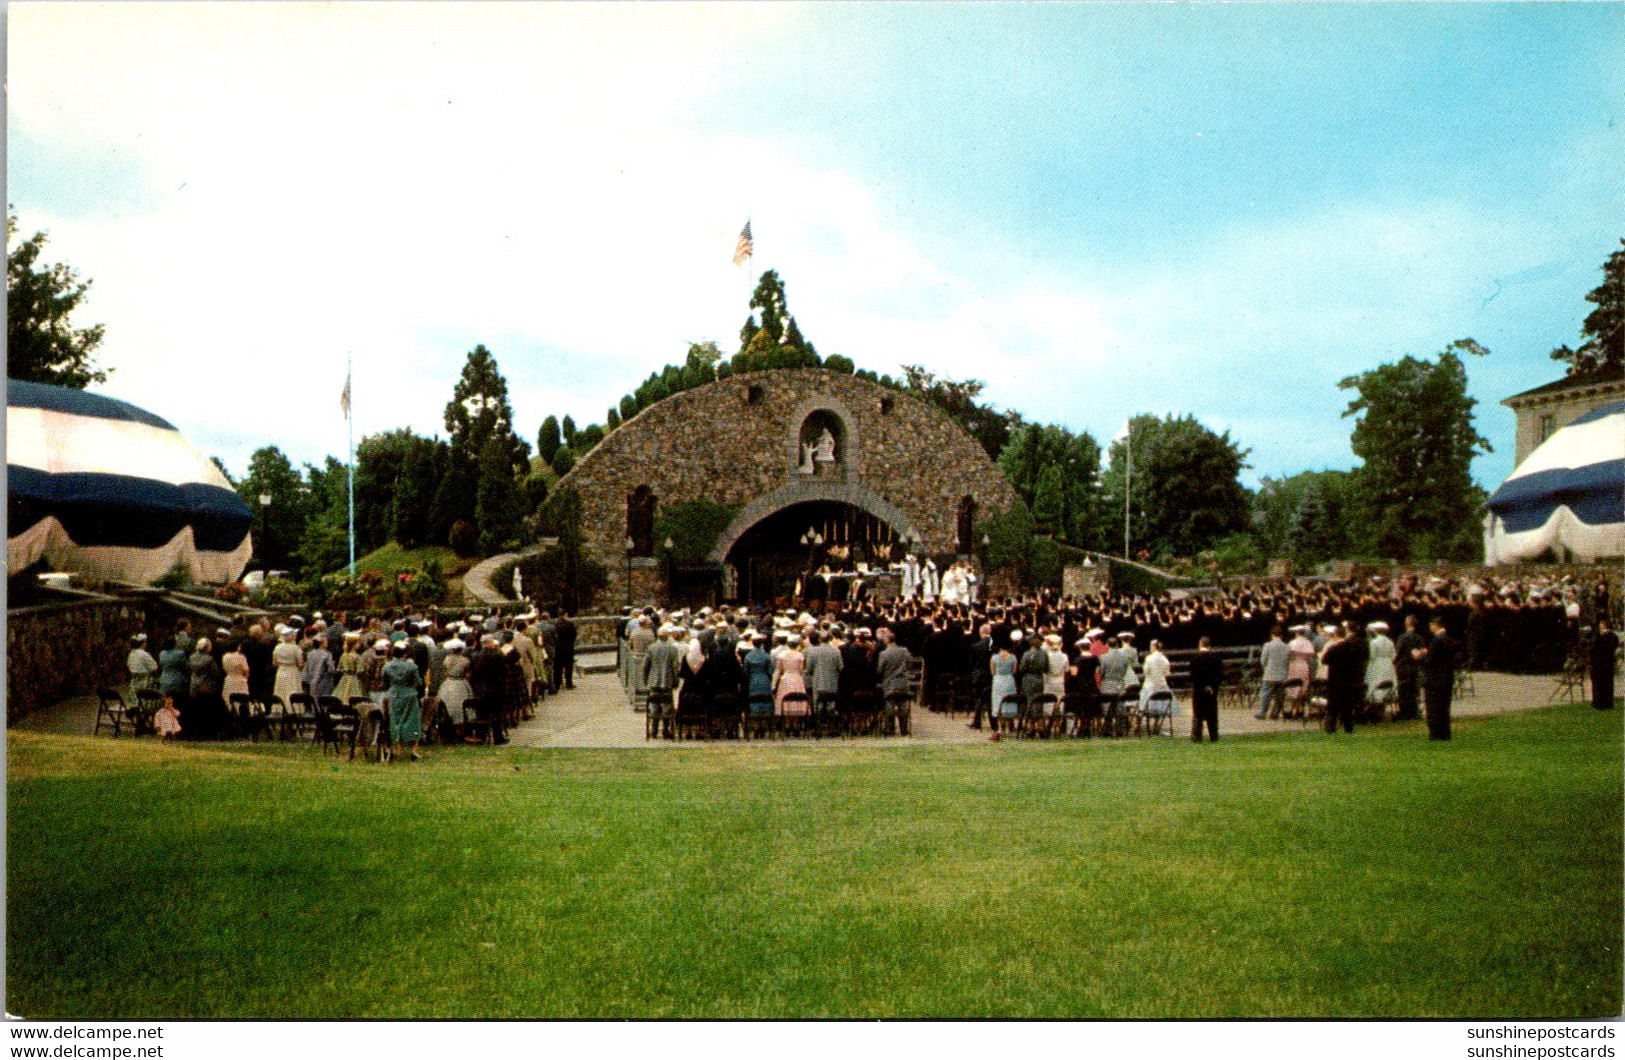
1335,638
501,663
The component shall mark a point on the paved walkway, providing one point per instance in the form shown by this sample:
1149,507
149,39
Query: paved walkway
477,581
596,713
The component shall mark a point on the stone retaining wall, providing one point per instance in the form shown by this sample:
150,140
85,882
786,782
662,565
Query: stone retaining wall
57,651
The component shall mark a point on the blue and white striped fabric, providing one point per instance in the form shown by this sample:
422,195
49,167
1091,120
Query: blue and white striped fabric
1568,496
98,486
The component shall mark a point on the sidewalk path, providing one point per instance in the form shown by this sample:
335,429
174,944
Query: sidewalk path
596,713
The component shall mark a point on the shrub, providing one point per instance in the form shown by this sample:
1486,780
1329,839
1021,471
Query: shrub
464,539
693,528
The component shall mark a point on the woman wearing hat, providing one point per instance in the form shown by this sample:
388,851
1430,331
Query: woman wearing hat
405,710
290,664
454,688
235,665
349,668
1003,668
1380,667
142,666
1300,666
789,672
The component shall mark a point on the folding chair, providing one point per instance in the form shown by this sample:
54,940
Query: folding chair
111,711
1159,707
794,711
899,711
337,724
758,719
476,720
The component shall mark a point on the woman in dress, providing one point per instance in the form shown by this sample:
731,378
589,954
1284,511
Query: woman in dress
454,688
235,665
1055,676
1300,665
142,666
789,674
174,675
405,711
759,676
290,663
1380,668
349,686
1003,667
205,710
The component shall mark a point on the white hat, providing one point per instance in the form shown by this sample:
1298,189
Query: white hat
381,644
794,638
1328,629
1093,633
140,638
455,644
1378,627
1015,634
1127,634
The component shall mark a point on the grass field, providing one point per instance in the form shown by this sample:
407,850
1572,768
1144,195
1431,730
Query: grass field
1293,875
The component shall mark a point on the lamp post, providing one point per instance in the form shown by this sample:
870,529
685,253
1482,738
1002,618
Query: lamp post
265,522
629,544
669,546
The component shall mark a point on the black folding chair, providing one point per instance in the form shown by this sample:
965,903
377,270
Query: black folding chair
337,724
111,711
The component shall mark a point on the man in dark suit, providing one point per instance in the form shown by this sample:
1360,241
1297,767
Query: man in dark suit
1207,674
1438,678
1406,667
1603,659
564,636
981,673
1345,660
488,677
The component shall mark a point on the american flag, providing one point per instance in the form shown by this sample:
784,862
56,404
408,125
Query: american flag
744,248
344,398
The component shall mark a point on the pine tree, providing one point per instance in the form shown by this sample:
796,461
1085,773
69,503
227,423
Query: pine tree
496,511
568,430
41,346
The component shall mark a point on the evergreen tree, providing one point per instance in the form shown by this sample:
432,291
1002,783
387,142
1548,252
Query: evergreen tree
1049,501
629,407
414,492
613,419
563,461
496,512
548,439
478,415
587,440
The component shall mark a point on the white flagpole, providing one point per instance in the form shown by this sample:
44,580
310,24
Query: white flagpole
349,424
1128,483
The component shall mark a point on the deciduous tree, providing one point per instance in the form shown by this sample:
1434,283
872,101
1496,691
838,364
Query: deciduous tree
42,345
1414,431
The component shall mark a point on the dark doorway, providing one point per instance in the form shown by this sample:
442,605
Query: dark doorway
798,554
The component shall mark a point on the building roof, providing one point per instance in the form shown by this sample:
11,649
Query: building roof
1602,377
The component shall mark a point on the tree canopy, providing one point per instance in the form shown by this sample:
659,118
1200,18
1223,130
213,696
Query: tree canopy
1187,492
42,345
1602,336
1416,437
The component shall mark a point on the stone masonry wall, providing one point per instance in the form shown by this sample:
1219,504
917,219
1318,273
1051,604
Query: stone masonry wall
57,651
901,459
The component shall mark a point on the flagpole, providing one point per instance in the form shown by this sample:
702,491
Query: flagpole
349,424
1128,482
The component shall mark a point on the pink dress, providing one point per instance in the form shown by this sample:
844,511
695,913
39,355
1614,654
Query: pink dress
166,721
236,666
792,665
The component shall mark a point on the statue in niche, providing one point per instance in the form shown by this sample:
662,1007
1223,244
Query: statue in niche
806,467
825,453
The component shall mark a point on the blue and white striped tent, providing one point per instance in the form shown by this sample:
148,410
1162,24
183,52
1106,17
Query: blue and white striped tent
98,486
1567,498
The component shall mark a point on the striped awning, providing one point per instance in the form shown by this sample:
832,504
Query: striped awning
98,486
1567,496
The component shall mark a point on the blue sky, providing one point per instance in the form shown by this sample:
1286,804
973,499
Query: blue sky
1100,210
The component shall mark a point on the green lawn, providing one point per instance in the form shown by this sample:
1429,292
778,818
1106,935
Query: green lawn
1294,875
389,560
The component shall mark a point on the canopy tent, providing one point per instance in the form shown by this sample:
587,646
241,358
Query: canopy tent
1567,497
98,486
